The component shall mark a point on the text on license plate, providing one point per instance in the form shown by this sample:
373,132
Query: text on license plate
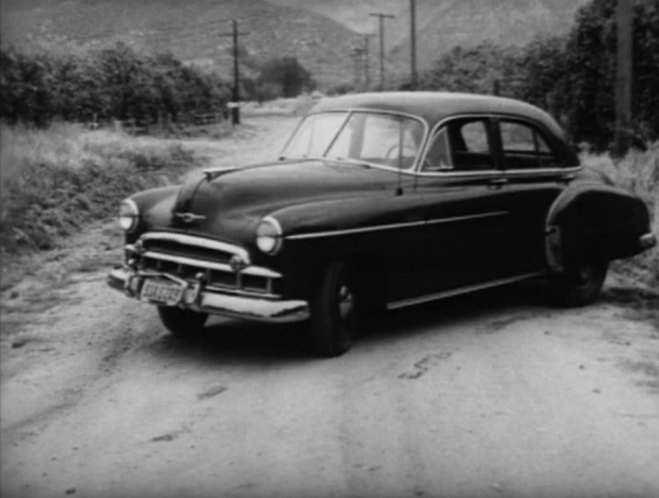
161,291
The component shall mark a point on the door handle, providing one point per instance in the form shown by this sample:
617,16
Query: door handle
498,182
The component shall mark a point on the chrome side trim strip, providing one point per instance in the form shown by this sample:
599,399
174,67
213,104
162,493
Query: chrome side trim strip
403,303
392,226
348,231
199,242
467,217
256,271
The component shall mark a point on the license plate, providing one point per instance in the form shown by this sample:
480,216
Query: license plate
161,291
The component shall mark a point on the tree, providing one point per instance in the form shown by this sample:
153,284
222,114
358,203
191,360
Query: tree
591,58
286,73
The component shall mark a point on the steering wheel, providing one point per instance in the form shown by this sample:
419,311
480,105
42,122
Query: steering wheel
390,152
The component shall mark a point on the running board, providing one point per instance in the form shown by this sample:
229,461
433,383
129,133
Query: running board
403,303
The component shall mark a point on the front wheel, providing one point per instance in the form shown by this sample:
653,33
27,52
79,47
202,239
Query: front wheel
334,312
180,322
580,284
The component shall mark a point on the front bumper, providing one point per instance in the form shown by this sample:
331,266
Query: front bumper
198,298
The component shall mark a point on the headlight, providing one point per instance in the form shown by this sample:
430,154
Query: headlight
269,235
128,215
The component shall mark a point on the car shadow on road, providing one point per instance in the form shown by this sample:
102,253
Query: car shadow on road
249,342
490,305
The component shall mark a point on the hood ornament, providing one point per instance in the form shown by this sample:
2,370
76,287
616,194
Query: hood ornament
189,217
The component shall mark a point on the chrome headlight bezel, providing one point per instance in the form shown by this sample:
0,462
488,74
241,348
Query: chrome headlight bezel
269,236
129,215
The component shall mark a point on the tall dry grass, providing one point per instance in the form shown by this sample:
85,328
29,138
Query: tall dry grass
637,172
55,181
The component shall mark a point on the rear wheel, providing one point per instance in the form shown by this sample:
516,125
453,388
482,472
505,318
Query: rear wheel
580,284
180,322
334,308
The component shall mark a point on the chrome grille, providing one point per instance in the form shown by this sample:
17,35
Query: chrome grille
186,256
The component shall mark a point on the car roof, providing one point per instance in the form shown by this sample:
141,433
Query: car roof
435,106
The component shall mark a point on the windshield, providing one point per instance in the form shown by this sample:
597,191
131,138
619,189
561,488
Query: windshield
367,137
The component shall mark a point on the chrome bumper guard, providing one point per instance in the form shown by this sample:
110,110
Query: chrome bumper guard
198,298
648,241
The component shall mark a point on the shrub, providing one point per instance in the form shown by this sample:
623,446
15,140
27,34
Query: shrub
57,180
111,83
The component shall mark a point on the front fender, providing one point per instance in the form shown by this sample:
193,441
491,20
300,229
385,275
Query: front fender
590,222
371,230
155,206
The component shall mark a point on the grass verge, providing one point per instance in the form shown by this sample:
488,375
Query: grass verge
56,181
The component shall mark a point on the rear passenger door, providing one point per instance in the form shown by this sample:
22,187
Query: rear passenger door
533,178
468,223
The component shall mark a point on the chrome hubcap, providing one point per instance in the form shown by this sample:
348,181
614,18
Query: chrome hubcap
346,302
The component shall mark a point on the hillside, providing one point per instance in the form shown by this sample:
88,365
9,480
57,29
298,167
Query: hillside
321,33
191,30
442,24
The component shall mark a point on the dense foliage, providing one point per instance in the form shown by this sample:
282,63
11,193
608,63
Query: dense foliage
287,75
572,77
114,82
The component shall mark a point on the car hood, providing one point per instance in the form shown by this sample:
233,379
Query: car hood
231,205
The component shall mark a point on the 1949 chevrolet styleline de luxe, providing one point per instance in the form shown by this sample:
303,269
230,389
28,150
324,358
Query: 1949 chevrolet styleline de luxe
380,201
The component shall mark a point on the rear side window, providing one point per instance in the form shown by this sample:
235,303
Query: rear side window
474,135
460,145
524,147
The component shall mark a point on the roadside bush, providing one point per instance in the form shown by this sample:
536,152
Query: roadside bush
57,180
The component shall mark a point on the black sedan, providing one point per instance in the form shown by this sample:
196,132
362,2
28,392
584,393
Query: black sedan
380,201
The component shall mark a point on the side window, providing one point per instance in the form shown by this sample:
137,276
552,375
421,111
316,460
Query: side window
524,147
470,145
438,156
460,145
474,135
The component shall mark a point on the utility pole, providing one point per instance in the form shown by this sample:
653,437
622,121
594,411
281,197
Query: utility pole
382,17
367,61
235,110
623,94
413,42
357,54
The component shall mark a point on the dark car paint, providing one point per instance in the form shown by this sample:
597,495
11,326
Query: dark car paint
418,234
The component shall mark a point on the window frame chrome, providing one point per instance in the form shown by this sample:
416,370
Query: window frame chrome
497,170
349,112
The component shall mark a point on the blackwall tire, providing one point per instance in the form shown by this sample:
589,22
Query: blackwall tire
334,308
180,322
580,284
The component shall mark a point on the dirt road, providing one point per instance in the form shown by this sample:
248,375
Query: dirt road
497,394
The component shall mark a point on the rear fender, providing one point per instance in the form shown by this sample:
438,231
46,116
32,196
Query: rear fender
594,222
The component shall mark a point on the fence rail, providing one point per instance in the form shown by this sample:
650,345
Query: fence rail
165,122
